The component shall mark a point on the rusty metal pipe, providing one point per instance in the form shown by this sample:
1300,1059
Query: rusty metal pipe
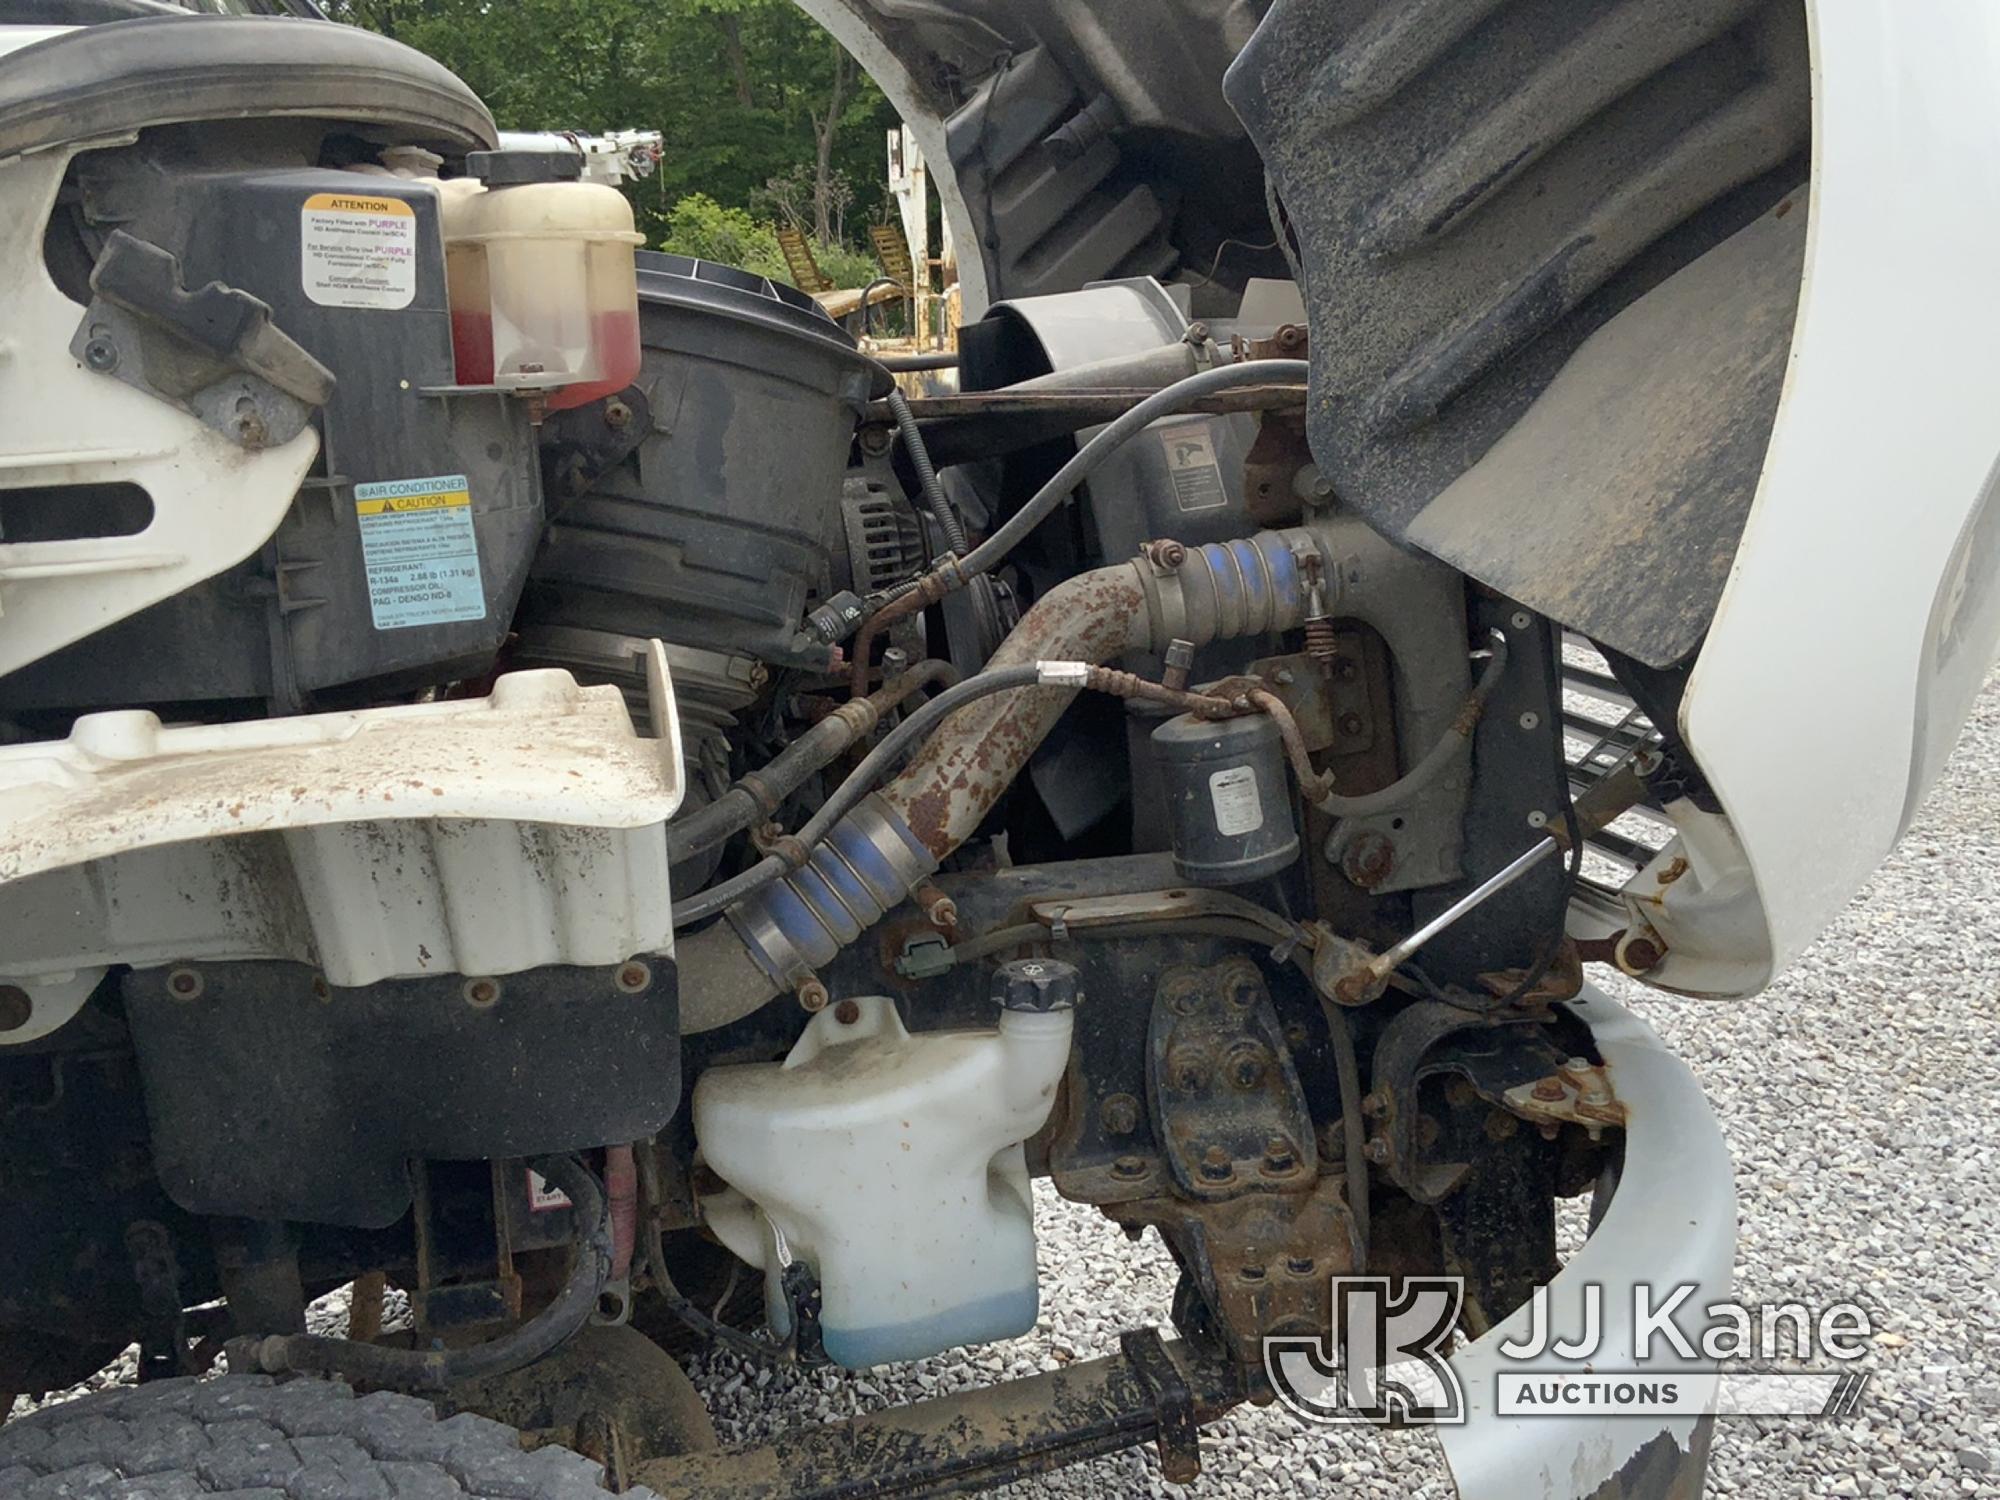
621,1199
787,926
1220,592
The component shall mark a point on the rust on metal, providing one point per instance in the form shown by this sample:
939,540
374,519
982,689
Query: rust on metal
1577,1093
954,780
1273,462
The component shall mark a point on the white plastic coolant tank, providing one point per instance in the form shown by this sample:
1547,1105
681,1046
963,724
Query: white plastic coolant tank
892,1164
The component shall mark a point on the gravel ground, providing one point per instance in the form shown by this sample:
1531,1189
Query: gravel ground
1858,1096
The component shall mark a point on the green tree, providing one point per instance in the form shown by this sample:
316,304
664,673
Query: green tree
703,228
742,90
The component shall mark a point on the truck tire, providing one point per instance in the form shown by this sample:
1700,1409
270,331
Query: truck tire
248,1438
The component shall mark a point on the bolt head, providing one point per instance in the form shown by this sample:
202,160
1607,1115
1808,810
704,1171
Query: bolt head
1377,1149
1280,1157
481,993
101,355
184,984
1119,1114
1037,984
633,977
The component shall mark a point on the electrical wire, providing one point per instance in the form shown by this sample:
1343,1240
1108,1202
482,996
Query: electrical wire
678,1303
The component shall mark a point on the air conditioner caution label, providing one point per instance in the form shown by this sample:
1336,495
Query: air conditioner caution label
357,251
422,556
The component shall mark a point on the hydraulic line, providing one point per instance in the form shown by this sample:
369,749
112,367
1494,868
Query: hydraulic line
893,747
1433,763
419,1370
759,794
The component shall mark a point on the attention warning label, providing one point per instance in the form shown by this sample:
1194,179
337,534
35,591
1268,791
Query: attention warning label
1191,465
422,557
358,251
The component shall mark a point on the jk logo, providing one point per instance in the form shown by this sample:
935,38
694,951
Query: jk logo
1385,1360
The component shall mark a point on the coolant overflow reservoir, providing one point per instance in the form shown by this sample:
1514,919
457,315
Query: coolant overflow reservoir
892,1165
542,282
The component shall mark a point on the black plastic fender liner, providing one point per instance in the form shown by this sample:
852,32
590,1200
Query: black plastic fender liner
1476,188
123,76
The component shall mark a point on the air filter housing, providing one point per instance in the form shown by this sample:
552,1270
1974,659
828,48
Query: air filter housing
725,519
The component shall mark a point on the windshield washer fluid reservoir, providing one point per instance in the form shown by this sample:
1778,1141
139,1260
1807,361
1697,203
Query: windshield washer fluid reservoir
892,1165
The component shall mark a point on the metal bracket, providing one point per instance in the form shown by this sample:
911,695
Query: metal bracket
1179,1436
156,1270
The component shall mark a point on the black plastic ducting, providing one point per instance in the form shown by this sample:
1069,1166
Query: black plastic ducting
715,531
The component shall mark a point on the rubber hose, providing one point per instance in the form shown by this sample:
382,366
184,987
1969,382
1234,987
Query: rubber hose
920,459
419,1370
1114,435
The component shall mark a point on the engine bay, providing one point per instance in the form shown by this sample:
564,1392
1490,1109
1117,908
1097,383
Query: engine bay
603,715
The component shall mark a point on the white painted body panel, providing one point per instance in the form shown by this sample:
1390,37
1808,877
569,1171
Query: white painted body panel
473,836
213,503
1803,706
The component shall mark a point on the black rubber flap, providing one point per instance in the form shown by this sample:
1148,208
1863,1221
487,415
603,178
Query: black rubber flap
1473,192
